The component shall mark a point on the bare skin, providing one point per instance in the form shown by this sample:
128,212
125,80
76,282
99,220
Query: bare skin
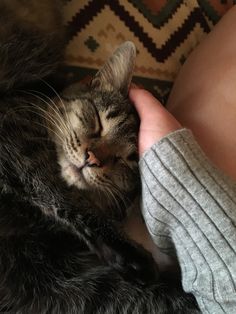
156,121
203,98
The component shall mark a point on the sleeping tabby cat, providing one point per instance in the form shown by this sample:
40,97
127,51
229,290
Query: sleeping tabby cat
68,170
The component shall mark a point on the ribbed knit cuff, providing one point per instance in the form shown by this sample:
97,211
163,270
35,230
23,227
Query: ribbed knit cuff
188,202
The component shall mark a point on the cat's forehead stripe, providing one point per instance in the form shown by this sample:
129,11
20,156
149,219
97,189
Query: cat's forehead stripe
110,125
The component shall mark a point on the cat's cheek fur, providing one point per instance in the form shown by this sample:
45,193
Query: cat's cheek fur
72,176
125,178
66,170
68,175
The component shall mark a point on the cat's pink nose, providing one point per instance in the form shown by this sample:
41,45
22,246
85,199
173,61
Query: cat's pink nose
92,159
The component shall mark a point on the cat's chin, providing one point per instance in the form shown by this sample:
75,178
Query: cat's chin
86,179
79,178
74,176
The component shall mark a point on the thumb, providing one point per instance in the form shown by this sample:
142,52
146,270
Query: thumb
156,121
147,106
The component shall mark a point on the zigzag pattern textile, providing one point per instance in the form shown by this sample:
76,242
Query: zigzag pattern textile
164,32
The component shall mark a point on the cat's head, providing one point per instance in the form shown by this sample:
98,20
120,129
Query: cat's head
97,135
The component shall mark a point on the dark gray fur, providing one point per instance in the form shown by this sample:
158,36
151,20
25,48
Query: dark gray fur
57,254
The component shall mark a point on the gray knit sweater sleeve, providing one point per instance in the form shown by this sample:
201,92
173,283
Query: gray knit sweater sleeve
190,206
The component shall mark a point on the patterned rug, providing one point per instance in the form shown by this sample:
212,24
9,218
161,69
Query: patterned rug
164,32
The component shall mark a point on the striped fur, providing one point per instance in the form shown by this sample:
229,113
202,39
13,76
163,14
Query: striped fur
99,120
59,250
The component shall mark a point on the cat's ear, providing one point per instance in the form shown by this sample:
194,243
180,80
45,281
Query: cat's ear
117,72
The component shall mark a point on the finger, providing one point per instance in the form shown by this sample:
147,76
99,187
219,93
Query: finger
145,103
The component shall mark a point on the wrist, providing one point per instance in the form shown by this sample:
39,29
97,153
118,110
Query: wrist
155,137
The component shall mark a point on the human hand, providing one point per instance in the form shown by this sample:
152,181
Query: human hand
156,121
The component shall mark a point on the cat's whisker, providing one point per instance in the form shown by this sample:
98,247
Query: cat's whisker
107,194
59,97
30,109
51,130
49,119
19,109
114,198
56,111
14,110
54,107
34,105
116,191
110,195
41,139
110,192
100,194
57,125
